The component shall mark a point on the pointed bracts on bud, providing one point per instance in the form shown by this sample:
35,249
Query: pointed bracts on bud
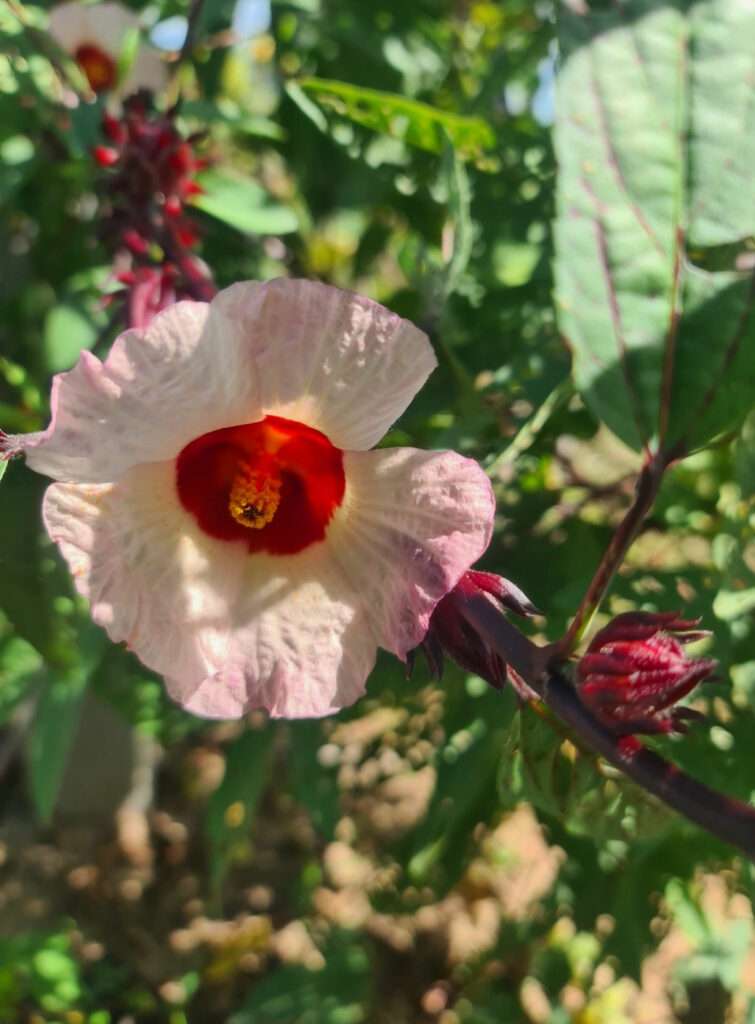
636,669
451,634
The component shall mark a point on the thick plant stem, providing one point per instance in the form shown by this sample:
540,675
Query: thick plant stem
648,485
728,819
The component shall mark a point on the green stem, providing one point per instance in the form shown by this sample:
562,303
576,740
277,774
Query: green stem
530,431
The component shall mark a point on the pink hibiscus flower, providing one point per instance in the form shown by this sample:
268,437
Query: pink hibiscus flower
219,507
94,35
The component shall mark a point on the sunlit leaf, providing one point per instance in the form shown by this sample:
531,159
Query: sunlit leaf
456,180
243,204
656,142
67,332
415,123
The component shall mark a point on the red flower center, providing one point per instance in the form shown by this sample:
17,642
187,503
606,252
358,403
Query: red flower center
274,484
98,66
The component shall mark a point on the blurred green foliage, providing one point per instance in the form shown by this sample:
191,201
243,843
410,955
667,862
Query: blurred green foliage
432,854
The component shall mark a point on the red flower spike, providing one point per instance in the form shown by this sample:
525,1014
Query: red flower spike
450,633
635,669
145,224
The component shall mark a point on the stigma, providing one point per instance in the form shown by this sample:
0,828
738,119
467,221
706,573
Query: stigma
255,496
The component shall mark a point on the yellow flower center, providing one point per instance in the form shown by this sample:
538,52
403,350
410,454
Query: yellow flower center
255,496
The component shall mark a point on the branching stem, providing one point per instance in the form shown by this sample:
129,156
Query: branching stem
728,819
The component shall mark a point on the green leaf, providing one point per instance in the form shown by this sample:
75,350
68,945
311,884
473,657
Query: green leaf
127,54
243,204
337,994
465,789
56,719
585,796
21,670
226,112
656,141
25,585
16,157
415,123
315,787
456,179
67,332
233,804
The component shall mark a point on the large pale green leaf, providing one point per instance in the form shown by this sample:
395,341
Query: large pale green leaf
655,138
415,123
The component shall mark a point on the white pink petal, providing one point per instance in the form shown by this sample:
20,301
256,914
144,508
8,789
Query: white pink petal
412,523
332,359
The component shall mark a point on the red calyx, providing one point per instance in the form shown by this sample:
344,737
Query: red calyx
450,633
636,669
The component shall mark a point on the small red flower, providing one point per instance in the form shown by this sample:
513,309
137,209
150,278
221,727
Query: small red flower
636,668
451,634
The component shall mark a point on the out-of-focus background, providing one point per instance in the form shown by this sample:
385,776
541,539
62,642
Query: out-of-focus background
431,854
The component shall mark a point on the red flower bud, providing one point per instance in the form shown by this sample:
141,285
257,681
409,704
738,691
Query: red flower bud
172,206
135,242
106,156
187,235
181,160
450,633
113,128
634,671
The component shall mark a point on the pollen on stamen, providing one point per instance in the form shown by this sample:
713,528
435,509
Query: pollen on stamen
254,497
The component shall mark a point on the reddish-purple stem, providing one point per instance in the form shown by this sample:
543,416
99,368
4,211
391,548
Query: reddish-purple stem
729,820
648,485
